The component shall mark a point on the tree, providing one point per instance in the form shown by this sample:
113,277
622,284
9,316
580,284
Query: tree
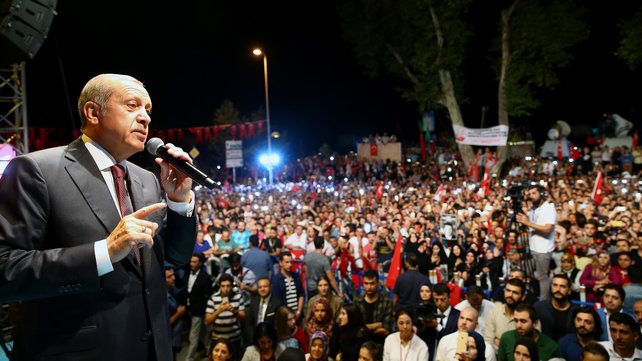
630,47
535,41
421,42
424,42
227,113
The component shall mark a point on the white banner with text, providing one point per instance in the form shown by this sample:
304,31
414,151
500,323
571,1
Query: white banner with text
494,136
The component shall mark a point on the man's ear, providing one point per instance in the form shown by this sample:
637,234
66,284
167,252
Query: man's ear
92,112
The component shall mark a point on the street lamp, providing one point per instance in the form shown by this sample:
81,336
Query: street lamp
259,52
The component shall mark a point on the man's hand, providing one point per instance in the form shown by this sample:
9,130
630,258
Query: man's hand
225,307
177,185
133,230
522,219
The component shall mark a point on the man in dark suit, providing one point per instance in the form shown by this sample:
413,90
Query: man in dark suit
443,325
84,251
199,290
262,306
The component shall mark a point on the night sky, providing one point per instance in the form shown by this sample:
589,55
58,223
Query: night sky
194,54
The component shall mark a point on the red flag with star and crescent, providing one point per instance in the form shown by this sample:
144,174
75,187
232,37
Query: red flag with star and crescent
598,188
395,265
379,191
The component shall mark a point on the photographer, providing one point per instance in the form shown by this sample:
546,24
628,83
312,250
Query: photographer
541,223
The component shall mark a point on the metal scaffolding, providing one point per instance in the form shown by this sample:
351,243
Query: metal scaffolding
13,108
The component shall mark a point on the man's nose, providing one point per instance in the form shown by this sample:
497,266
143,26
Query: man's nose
144,117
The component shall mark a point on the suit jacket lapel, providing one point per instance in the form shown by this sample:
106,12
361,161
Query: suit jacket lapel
138,202
85,174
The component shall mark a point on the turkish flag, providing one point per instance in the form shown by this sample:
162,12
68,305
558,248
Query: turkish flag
598,188
395,265
379,191
485,184
374,150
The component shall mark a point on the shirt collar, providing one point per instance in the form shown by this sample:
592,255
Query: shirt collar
101,156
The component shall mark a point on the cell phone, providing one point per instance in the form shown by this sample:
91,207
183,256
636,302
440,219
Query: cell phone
225,300
620,208
462,342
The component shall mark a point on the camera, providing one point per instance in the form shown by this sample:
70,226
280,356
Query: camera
515,195
427,312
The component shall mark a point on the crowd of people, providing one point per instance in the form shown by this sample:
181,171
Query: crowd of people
532,268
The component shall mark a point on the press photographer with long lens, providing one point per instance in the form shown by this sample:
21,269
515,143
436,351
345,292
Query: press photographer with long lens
541,224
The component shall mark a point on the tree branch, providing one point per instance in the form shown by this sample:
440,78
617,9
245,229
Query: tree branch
399,59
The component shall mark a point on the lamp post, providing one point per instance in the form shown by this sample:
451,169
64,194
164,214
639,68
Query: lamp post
259,52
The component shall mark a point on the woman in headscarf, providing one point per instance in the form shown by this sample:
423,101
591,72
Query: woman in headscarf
319,346
325,290
455,259
476,348
348,337
525,350
597,275
469,268
321,318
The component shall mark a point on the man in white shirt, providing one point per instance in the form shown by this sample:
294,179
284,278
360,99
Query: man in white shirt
541,223
447,348
475,299
500,319
625,332
297,240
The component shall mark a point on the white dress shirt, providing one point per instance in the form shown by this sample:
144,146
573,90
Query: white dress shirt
105,161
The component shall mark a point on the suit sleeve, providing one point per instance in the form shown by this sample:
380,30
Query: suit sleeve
179,235
27,269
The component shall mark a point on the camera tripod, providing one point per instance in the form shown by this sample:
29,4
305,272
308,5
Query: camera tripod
526,262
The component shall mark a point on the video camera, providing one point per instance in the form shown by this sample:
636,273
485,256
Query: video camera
427,312
515,195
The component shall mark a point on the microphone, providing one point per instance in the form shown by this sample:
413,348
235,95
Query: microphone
156,147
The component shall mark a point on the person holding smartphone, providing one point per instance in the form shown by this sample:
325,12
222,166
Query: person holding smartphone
225,310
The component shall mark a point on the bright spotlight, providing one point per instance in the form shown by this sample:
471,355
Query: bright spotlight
270,160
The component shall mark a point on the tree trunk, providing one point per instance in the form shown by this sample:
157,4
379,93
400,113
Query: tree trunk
448,97
502,152
450,102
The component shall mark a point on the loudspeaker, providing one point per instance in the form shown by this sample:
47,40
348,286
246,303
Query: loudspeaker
24,25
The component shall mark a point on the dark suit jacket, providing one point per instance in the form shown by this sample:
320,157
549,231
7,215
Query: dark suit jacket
270,312
201,292
451,324
54,204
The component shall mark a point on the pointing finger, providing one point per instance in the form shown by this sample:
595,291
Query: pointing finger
145,212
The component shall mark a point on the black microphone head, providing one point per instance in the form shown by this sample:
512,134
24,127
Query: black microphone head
153,144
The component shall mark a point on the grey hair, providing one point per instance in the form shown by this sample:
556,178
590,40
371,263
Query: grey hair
98,90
